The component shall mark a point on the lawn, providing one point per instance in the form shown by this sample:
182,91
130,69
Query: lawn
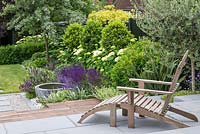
10,78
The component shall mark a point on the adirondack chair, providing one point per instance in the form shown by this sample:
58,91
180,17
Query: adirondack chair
131,103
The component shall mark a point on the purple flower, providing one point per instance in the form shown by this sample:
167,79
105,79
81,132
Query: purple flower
71,76
93,76
26,86
76,76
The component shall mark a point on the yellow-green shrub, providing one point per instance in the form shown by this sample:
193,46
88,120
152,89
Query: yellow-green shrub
108,13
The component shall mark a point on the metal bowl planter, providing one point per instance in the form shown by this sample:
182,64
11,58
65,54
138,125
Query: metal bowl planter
45,89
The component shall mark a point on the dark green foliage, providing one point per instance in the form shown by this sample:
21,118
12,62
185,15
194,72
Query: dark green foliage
131,63
160,66
38,60
146,60
13,54
115,34
92,35
30,95
73,36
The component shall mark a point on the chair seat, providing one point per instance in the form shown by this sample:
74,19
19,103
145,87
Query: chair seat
141,101
147,103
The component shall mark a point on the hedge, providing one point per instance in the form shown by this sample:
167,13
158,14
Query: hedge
13,54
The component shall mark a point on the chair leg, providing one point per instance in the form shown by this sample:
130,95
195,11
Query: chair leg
113,115
174,122
184,113
131,120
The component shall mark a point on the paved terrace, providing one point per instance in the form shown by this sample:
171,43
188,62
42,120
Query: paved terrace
99,123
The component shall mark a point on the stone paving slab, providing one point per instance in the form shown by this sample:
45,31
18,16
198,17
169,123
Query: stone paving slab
38,133
97,118
189,105
2,129
4,97
6,108
4,103
94,129
189,97
38,125
144,125
15,102
190,130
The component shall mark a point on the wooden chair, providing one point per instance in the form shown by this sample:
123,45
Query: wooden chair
138,103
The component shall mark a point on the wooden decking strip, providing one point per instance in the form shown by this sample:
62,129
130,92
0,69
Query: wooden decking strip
56,109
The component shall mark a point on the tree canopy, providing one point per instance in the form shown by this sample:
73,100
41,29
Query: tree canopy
37,16
42,16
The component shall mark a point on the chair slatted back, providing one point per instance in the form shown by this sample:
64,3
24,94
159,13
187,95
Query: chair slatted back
174,85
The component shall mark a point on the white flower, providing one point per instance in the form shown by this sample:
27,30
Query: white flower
133,39
17,42
61,51
104,58
111,54
78,51
96,53
116,59
120,52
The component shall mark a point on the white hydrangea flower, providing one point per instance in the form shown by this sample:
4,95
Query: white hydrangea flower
133,39
116,59
78,51
104,58
61,51
96,53
120,52
111,54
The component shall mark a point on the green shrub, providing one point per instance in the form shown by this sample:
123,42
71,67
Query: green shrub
39,60
105,93
92,35
36,76
65,95
160,66
30,40
175,23
115,34
13,54
109,14
130,64
30,95
73,36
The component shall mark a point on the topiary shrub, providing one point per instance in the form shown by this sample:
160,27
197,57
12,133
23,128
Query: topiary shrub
92,35
108,13
73,36
115,34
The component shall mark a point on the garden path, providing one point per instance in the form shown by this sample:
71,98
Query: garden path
15,102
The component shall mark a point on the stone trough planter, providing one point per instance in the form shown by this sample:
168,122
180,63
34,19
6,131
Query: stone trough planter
45,89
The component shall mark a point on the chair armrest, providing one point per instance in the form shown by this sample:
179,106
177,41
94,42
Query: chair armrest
144,90
151,81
